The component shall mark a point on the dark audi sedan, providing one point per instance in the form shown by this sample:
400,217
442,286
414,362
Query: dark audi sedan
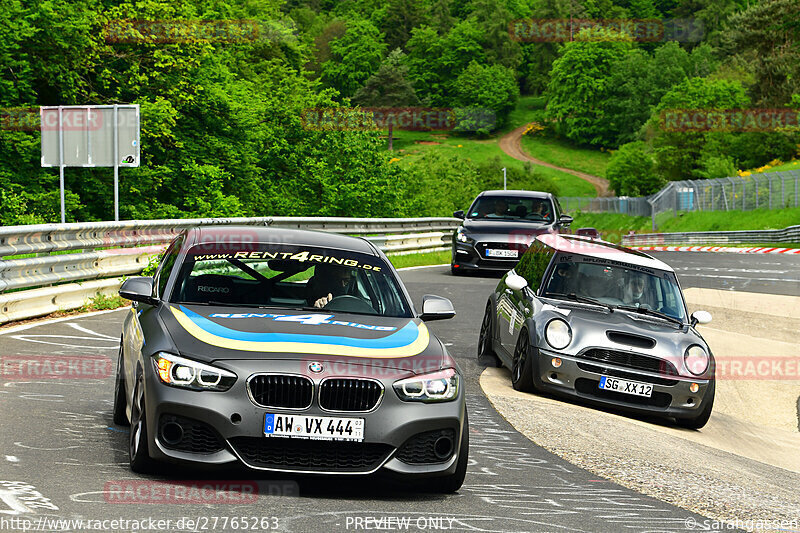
595,321
289,351
500,225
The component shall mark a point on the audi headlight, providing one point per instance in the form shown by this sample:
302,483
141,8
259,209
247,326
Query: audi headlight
436,387
558,334
696,359
461,236
185,373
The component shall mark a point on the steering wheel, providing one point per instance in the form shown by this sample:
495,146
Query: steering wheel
347,302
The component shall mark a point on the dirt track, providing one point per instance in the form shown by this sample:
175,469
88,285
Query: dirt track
510,144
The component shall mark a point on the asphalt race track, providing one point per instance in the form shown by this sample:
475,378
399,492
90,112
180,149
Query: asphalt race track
61,457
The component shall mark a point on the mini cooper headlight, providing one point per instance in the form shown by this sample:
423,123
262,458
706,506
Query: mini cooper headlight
436,387
185,373
558,334
696,359
461,236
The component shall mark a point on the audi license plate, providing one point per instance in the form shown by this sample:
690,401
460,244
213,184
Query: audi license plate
314,427
626,387
490,252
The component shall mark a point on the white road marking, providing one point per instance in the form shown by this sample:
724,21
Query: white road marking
30,337
15,329
90,332
11,459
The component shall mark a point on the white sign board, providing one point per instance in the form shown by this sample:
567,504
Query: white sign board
88,135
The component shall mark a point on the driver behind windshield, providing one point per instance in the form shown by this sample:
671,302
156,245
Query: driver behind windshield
500,209
328,282
637,290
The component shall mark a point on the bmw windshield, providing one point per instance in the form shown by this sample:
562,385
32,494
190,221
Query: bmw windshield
295,277
617,285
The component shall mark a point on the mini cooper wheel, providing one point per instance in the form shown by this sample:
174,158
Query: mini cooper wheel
522,366
486,355
140,460
120,417
705,413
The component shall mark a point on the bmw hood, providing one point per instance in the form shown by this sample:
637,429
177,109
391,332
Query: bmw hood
209,333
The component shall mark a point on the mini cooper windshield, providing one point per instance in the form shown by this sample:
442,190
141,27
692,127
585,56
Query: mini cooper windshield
266,275
616,285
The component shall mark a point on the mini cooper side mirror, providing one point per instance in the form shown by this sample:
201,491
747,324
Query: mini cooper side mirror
436,308
139,289
516,282
459,214
565,220
701,317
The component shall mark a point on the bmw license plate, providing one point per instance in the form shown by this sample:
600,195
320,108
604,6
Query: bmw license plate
314,427
626,387
490,252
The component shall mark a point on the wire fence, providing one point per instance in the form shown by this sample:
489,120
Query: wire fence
774,190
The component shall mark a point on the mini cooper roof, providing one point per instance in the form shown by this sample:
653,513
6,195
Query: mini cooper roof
269,235
602,250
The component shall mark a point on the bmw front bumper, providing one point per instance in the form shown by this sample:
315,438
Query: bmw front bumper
228,427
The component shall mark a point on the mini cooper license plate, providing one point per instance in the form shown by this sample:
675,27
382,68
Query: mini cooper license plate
490,252
626,387
313,427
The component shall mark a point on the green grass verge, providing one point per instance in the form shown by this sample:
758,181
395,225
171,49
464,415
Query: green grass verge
614,225
421,259
566,155
411,145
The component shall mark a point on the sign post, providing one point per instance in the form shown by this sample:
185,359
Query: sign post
90,136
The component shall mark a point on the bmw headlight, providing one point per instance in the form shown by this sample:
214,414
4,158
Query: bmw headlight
185,373
696,359
461,236
558,334
436,387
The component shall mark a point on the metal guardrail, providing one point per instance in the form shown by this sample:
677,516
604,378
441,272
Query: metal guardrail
787,235
103,250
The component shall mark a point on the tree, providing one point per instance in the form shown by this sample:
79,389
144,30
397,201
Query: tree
766,36
354,57
631,171
491,88
388,87
580,86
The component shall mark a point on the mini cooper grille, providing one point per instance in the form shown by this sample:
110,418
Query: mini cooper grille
291,392
590,387
419,449
626,375
310,455
631,360
193,436
349,394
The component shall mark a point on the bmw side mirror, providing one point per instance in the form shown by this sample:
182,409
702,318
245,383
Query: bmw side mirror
701,317
139,289
459,214
436,308
565,220
515,282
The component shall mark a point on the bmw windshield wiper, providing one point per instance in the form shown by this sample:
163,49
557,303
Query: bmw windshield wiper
582,299
651,312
